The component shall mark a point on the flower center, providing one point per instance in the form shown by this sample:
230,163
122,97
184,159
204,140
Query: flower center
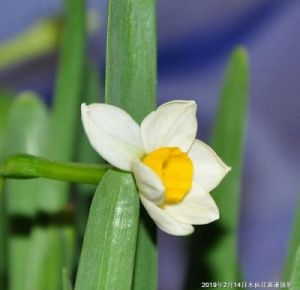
175,169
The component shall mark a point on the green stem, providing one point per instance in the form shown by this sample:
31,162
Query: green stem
23,166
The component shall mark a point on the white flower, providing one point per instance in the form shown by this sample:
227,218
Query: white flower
174,172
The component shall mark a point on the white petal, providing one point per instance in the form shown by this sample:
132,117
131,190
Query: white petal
173,124
148,183
197,208
113,134
164,221
209,169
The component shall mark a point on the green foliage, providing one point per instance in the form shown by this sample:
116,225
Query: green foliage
130,81
28,133
66,280
119,250
146,262
3,239
131,84
52,240
293,244
228,141
39,242
36,247
5,103
94,93
67,96
45,259
69,84
218,241
107,258
295,274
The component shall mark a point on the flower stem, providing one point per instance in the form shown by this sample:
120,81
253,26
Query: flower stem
24,166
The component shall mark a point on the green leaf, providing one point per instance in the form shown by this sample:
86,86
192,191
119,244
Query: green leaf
27,133
61,146
32,246
53,255
3,239
18,246
293,244
68,89
228,141
94,93
145,274
94,85
66,280
5,103
219,239
44,261
107,258
65,120
295,276
131,84
131,56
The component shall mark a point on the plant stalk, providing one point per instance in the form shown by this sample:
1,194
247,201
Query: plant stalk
25,166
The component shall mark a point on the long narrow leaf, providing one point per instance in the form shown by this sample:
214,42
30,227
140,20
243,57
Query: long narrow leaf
215,245
44,260
293,244
94,93
34,245
131,56
66,280
107,258
295,275
58,236
67,97
27,133
145,275
228,141
62,140
3,239
131,85
50,271
5,103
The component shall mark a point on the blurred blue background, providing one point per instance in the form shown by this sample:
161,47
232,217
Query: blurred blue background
195,40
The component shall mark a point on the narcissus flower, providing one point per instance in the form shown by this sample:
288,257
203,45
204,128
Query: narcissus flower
174,172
